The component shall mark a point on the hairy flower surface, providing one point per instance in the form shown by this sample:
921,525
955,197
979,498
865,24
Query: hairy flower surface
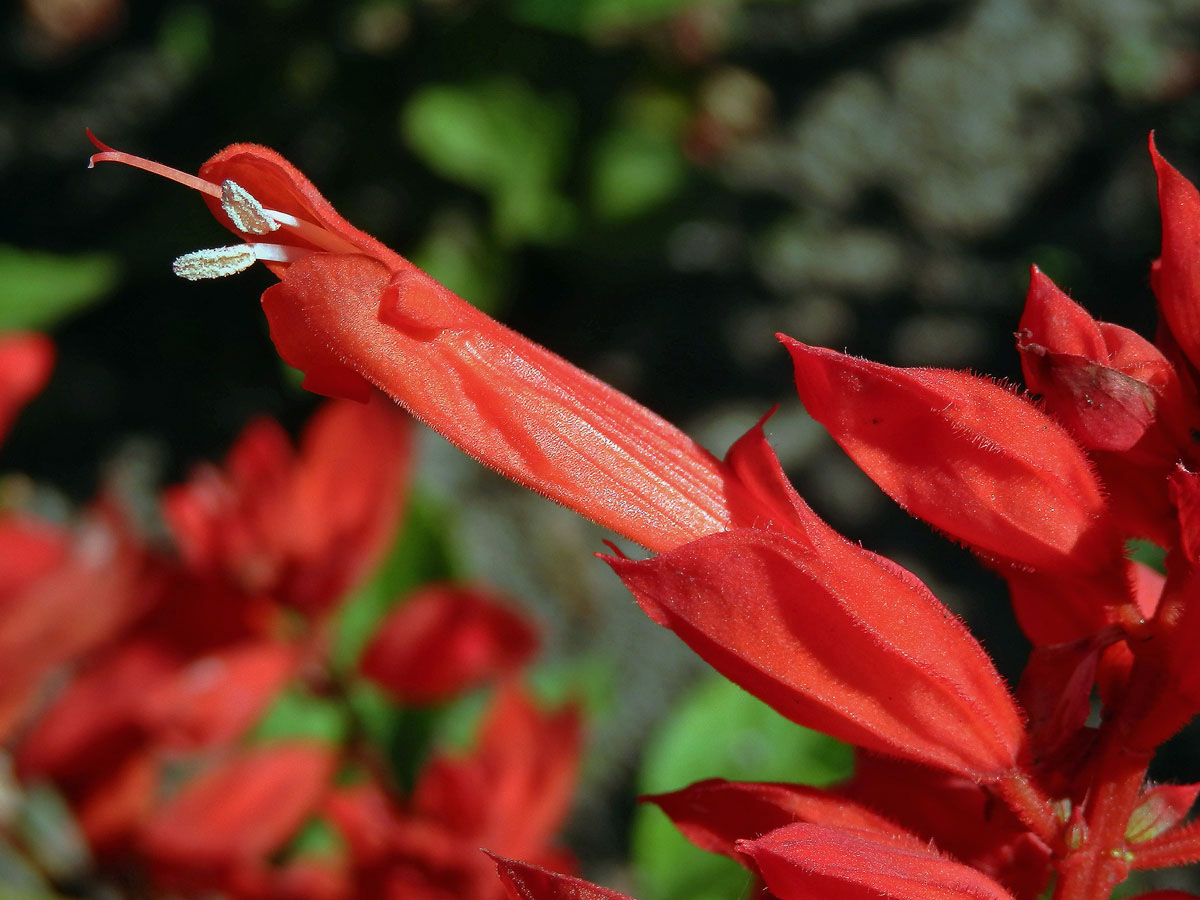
960,791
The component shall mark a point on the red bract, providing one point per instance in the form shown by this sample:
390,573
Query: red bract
444,640
510,793
44,623
953,814
716,814
1006,479
525,882
304,526
1177,270
25,363
236,814
839,640
803,861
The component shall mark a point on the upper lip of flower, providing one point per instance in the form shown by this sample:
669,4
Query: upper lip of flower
248,216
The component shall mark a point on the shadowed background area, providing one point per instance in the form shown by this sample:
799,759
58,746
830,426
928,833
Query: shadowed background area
651,188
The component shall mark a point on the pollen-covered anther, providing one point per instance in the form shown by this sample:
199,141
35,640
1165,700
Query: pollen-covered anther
246,213
218,262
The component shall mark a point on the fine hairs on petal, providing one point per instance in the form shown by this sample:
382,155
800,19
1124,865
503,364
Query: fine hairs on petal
246,213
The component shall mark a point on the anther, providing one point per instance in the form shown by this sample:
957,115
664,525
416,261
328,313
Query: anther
246,213
215,263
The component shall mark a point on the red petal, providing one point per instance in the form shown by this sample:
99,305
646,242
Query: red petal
1185,494
113,803
804,861
512,792
29,549
445,640
277,184
503,399
97,718
966,455
302,526
1057,609
837,639
1056,691
1053,319
45,625
25,363
1177,281
716,814
956,816
244,809
525,882
216,698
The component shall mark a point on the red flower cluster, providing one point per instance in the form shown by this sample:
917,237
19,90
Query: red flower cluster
132,677
962,789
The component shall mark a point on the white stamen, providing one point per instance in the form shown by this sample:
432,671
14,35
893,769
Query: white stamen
215,263
246,213
221,261
314,233
279,252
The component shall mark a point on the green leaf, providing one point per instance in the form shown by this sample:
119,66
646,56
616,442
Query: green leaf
719,731
1147,553
457,253
317,838
419,554
503,139
18,875
296,713
589,680
185,38
47,827
634,171
41,289
592,16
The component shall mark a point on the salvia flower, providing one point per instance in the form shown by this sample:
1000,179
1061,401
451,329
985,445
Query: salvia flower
960,791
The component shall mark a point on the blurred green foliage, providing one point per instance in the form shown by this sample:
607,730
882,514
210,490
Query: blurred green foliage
503,139
41,289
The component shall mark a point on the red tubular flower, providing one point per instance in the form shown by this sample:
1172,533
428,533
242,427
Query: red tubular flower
837,639
25,363
445,640
303,526
1005,478
350,313
803,861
